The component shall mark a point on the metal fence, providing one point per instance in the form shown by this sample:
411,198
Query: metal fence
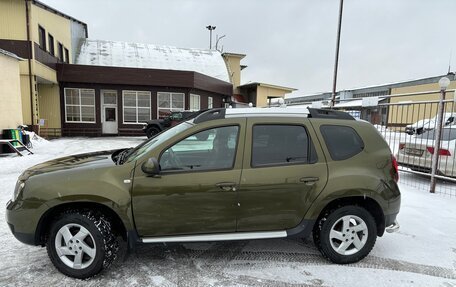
410,124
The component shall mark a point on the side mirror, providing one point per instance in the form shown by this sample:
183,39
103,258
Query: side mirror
151,166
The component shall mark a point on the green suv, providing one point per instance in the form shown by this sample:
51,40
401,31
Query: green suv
257,173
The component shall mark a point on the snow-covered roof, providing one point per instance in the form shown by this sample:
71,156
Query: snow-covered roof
148,56
11,55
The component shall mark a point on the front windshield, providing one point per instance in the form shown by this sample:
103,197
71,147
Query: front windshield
157,140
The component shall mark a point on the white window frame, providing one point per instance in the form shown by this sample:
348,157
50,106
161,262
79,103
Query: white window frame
170,94
210,102
136,107
193,97
80,106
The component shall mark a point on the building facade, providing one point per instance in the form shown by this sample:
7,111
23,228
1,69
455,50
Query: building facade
10,95
71,85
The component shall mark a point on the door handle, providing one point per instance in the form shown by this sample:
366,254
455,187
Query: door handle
309,180
226,186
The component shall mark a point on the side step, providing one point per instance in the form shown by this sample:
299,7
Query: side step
216,237
10,142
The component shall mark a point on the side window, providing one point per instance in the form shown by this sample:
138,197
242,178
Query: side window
281,144
343,142
207,150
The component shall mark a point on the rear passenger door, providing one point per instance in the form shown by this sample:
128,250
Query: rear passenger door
283,166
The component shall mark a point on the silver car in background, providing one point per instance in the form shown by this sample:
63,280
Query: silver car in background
416,152
424,125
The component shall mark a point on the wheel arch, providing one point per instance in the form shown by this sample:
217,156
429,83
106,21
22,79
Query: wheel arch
368,203
44,224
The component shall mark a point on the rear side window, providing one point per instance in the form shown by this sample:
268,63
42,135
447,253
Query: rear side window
281,145
343,142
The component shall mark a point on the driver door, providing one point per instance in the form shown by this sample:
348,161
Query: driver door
196,189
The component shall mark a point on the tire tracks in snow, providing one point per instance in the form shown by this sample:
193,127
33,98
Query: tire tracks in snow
225,254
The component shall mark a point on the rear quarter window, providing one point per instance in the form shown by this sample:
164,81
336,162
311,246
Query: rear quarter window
343,142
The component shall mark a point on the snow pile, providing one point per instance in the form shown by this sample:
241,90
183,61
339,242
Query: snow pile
36,139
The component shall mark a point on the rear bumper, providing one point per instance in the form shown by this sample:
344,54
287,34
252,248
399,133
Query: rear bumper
393,227
446,166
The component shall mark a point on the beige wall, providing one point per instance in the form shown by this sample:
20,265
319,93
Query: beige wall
264,92
10,93
12,20
233,63
49,102
25,95
59,27
411,113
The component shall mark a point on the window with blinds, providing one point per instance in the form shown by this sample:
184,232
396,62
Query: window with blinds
170,102
79,105
195,102
136,107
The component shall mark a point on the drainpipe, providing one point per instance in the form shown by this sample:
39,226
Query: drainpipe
27,17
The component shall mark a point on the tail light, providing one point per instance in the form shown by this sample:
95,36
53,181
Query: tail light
401,146
394,169
442,151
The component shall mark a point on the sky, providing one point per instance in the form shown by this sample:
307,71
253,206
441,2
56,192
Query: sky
291,42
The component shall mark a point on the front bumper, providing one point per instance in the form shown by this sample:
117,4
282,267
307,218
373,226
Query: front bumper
22,218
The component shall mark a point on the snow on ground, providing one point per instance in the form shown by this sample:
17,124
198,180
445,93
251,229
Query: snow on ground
422,253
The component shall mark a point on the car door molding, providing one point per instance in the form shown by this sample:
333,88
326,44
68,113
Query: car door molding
216,237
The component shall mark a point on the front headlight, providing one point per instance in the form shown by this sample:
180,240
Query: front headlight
18,189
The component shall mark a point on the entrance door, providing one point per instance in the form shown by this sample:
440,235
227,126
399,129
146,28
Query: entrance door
109,112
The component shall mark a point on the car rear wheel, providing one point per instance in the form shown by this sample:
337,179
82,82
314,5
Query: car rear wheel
82,243
346,234
152,131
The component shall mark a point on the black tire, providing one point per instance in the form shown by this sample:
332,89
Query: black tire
101,240
152,131
331,220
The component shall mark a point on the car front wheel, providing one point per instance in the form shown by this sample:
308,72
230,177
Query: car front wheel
81,243
346,234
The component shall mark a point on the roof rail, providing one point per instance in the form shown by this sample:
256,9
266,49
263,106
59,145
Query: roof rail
212,114
329,114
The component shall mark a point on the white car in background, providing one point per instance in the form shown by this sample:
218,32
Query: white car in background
416,152
424,125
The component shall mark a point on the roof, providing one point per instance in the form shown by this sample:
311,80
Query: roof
11,55
148,56
242,56
255,84
49,8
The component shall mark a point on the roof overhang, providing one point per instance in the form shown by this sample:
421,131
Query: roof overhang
10,55
255,84
71,73
236,55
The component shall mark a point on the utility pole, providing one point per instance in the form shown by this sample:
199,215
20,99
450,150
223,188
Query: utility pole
336,64
210,28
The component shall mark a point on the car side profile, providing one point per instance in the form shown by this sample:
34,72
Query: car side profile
227,174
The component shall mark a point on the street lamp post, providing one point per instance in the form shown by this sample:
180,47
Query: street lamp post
443,83
210,28
336,64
